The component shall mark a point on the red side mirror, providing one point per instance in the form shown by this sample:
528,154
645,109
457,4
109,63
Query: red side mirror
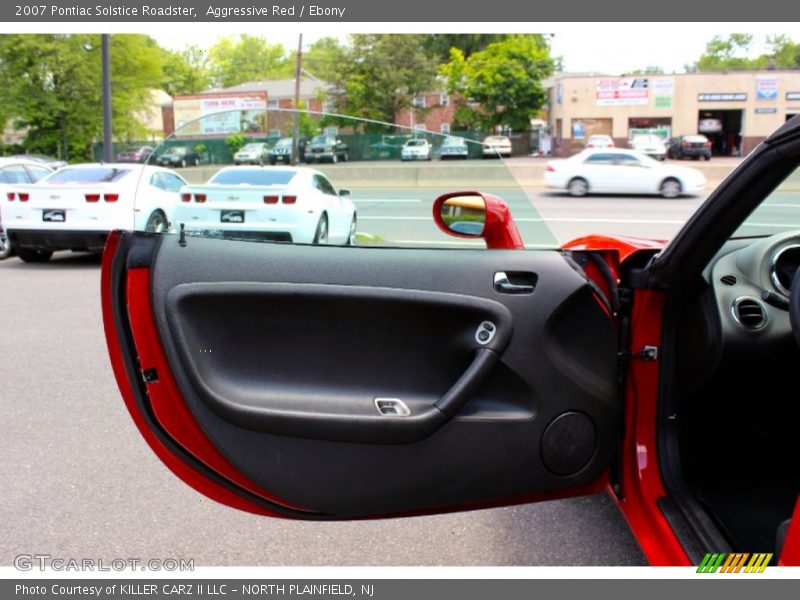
470,214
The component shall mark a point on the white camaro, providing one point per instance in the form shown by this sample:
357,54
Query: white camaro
284,204
76,207
15,171
620,171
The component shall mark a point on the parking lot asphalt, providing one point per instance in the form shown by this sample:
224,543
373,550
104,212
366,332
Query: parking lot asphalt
78,480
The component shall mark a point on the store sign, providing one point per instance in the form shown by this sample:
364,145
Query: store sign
793,95
622,92
766,111
767,88
663,90
722,97
220,115
578,130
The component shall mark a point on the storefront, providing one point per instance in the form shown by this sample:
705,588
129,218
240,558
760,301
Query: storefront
735,110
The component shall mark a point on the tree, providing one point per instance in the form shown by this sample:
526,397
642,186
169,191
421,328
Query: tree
380,74
248,58
438,45
324,58
734,52
502,84
186,72
54,87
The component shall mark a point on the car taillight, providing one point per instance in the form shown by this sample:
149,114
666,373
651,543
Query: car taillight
11,195
685,144
186,197
200,198
708,144
550,169
92,197
110,197
270,199
289,199
23,197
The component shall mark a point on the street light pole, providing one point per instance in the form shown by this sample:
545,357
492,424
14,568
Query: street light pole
297,73
105,43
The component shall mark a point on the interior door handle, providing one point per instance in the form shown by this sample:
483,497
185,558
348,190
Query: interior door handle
503,284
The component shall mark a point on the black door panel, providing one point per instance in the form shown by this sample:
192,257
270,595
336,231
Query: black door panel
310,360
280,352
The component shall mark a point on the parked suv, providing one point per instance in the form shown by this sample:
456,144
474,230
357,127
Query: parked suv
690,146
281,152
326,148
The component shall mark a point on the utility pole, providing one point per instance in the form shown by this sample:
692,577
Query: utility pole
297,74
105,43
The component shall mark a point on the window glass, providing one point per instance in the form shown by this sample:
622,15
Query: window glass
15,174
88,175
253,176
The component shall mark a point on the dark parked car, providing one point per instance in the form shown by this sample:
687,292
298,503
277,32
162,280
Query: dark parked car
179,156
690,146
326,148
47,161
281,152
138,154
390,146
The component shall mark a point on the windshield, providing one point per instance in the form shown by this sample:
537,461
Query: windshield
778,212
252,147
87,175
352,176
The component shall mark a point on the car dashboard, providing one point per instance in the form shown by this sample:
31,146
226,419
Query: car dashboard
751,282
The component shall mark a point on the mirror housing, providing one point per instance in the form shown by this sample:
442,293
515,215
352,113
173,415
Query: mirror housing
499,229
344,192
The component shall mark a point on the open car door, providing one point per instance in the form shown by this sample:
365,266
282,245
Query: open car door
318,381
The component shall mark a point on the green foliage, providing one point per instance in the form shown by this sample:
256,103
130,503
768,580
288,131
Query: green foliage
200,148
438,45
323,59
248,58
735,53
52,84
235,141
186,72
503,82
380,74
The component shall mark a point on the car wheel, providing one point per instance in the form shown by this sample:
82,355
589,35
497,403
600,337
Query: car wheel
272,161
5,247
157,223
351,238
31,255
670,188
321,235
335,158
183,163
578,187
196,162
345,158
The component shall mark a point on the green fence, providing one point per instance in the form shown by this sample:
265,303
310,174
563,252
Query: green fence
360,147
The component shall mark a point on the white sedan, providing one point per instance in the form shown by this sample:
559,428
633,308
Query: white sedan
619,171
416,149
496,145
282,204
76,207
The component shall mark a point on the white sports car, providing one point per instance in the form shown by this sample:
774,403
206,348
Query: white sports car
620,171
14,171
76,207
284,204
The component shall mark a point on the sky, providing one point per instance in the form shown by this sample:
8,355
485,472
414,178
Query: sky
611,49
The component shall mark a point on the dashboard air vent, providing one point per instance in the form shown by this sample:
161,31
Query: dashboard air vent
728,280
749,313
